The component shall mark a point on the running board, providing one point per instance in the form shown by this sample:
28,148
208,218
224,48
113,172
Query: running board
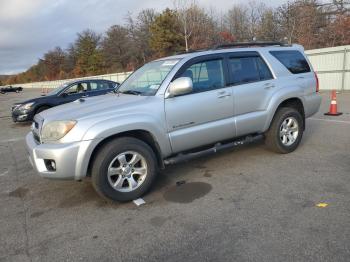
216,148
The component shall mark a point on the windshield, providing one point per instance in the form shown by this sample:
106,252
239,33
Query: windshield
58,89
147,79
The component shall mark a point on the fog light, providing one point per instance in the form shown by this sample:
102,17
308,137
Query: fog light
22,117
50,164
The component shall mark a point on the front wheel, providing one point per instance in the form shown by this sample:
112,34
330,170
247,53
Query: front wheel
124,169
286,131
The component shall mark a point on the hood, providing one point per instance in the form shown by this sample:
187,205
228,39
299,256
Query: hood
35,100
90,107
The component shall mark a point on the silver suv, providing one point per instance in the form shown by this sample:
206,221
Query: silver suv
175,108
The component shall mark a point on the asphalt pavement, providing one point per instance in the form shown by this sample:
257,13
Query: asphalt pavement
245,204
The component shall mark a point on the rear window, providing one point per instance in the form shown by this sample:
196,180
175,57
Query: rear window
294,61
248,69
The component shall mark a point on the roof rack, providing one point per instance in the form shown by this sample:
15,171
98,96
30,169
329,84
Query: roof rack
191,51
249,44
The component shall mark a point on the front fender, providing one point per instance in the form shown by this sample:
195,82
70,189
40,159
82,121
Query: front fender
113,126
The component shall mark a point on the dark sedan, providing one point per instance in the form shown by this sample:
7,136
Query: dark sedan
7,89
69,92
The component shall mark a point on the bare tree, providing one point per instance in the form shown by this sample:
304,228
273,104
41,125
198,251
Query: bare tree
255,12
139,29
186,19
197,25
236,22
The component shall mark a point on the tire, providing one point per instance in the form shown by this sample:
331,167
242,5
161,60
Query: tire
282,138
42,108
121,185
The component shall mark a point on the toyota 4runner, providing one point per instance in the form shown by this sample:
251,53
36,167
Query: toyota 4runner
175,108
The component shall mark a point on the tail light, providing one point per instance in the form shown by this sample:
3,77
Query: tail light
317,83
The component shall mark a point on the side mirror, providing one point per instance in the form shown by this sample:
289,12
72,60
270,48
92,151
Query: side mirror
64,95
180,86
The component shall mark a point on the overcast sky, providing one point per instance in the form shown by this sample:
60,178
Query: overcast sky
29,28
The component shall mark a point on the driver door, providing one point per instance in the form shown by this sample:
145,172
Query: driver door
204,116
74,92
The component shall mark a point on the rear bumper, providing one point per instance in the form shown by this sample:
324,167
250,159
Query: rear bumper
312,104
70,159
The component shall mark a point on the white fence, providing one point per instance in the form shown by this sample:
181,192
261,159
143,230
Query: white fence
331,64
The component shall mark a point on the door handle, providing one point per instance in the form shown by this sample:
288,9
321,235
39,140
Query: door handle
223,94
268,85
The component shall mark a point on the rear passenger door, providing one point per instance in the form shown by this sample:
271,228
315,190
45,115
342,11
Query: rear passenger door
204,116
99,88
253,86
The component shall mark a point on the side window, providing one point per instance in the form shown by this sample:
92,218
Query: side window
96,86
249,69
244,70
264,71
206,75
77,88
294,61
112,85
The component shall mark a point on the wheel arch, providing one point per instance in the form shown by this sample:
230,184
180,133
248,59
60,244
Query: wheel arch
293,102
140,134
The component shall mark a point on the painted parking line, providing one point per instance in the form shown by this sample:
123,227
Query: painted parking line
330,120
12,140
4,173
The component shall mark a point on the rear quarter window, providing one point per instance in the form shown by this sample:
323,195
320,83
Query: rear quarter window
248,69
293,60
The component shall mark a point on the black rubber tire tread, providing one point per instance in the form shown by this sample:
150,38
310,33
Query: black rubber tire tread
272,139
106,154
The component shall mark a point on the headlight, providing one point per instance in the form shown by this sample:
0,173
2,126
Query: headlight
55,130
25,107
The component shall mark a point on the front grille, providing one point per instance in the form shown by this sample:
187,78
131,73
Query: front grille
37,128
36,137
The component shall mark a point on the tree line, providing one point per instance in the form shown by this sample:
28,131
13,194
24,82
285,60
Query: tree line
188,26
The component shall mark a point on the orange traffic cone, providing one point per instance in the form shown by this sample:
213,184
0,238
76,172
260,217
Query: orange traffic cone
333,111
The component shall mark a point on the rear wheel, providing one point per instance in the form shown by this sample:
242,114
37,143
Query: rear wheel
123,169
286,130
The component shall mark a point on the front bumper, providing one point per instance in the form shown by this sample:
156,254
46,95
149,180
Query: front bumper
19,116
70,158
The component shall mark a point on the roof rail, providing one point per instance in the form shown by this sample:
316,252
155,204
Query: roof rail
191,51
249,44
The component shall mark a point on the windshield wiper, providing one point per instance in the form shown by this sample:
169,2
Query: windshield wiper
131,92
